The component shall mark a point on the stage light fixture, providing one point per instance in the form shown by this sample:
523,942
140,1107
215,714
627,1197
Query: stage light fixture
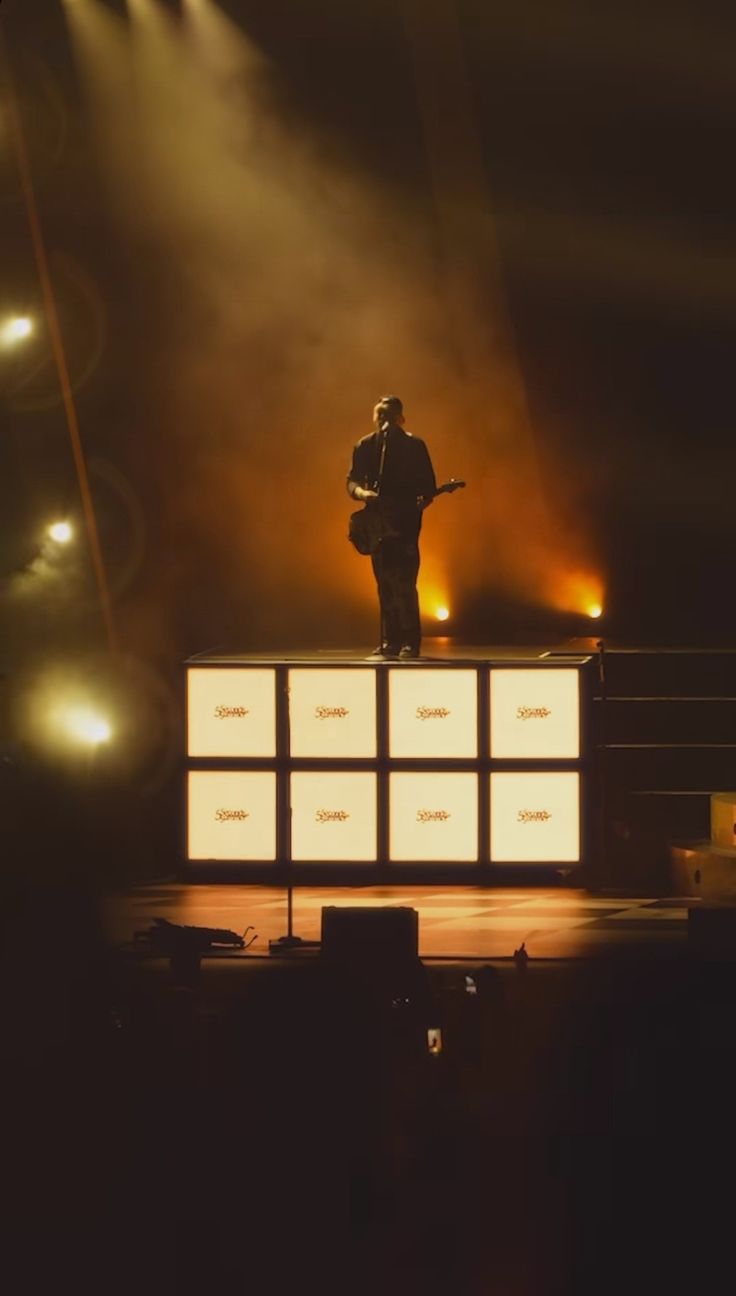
595,610
442,613
83,725
16,329
60,532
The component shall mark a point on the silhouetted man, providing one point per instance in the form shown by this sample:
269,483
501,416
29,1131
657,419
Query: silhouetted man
393,468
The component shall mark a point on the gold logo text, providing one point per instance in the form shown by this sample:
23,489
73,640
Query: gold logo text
533,816
331,816
231,712
532,713
331,712
432,713
225,816
432,816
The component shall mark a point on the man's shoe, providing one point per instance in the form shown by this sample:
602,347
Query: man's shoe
407,651
386,650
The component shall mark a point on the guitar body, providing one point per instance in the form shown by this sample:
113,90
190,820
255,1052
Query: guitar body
367,527
366,530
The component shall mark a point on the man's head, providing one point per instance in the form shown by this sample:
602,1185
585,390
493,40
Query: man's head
388,410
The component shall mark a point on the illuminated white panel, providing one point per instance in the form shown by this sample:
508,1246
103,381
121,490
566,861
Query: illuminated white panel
433,713
535,817
231,712
231,815
333,816
535,714
332,713
433,816
723,818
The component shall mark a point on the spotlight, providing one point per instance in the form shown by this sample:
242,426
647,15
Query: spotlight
595,610
61,532
16,329
442,614
85,726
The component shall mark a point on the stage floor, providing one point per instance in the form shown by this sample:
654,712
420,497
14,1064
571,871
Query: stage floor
454,923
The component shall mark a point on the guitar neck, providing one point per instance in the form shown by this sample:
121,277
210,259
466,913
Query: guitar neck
448,487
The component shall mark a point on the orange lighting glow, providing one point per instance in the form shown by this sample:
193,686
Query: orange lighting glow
442,613
577,591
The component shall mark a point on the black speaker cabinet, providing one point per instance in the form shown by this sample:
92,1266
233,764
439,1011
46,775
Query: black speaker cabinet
388,935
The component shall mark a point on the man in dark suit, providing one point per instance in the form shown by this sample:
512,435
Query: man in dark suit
393,468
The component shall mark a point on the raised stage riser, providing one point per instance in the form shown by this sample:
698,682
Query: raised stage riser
365,767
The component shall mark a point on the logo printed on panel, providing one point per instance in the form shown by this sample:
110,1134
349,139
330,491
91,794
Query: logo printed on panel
535,816
535,713
231,815
332,712
433,815
334,815
231,711
433,713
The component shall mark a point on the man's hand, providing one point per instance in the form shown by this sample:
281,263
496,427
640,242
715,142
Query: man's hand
361,493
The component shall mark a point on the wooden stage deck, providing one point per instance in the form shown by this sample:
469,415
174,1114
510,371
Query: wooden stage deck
554,922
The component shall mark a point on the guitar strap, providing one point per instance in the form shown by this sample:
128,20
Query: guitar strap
381,462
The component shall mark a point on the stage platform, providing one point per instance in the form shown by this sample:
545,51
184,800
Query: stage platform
464,760
469,923
441,648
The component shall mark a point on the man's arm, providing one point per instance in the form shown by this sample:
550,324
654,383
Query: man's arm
426,477
358,476
360,492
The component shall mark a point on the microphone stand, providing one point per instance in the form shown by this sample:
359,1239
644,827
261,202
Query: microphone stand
284,944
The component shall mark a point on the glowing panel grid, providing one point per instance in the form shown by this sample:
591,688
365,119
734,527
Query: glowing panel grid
433,714
231,712
332,713
535,817
433,816
535,714
231,815
334,816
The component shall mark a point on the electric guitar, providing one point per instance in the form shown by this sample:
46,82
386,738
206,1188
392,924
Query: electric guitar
368,526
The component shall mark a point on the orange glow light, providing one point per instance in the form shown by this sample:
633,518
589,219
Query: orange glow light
577,591
442,613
